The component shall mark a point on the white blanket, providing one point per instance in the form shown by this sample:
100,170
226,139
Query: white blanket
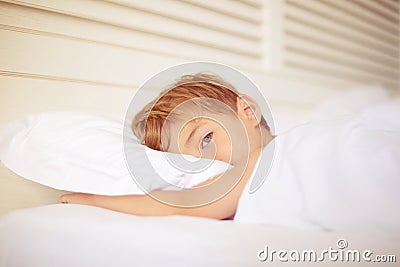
337,175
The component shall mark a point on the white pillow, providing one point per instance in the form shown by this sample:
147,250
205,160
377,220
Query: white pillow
83,151
350,101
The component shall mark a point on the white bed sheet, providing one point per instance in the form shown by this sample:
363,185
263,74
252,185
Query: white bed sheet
341,174
77,235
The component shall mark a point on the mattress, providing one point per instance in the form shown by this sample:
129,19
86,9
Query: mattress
36,232
77,235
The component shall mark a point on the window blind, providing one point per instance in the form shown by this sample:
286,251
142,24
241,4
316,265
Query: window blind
353,41
330,41
224,31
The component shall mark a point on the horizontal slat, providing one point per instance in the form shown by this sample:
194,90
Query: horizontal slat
309,74
296,28
22,96
354,10
345,40
78,60
149,23
333,69
7,73
253,3
316,50
184,12
231,8
390,5
390,15
329,11
335,28
38,21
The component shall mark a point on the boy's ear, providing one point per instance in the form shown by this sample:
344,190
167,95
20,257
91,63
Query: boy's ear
248,109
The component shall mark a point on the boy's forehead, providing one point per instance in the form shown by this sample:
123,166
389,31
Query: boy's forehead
195,121
192,113
188,120
191,122
202,105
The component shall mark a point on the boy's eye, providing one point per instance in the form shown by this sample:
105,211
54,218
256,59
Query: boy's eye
206,140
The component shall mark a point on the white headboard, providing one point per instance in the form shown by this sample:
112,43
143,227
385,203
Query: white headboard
93,54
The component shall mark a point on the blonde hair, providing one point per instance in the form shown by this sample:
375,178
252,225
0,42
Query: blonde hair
148,124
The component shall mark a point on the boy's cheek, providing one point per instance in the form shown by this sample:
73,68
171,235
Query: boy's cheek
225,153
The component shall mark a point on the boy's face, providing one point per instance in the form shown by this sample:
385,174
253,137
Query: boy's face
227,136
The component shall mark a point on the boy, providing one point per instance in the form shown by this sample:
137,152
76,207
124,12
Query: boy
204,116
334,175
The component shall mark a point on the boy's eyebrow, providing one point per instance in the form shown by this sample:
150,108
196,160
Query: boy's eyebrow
189,140
192,132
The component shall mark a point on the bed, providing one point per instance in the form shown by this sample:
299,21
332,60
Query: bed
36,232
